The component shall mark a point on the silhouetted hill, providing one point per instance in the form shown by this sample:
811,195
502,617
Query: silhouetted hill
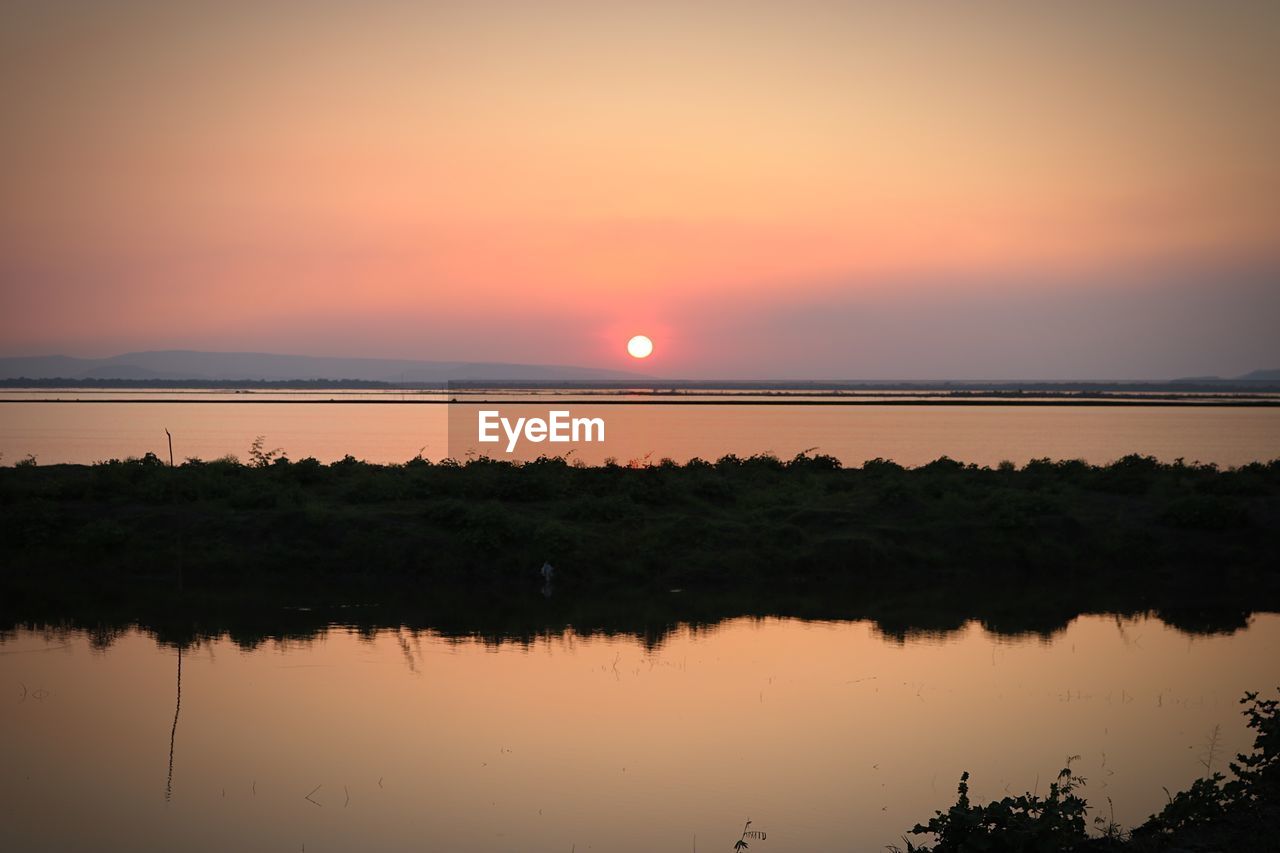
228,368
190,364
1251,376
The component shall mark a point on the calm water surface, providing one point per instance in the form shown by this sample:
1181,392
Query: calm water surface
829,736
390,432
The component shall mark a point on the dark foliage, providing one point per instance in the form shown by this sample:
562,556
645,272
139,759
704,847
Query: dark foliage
1025,823
915,549
1242,814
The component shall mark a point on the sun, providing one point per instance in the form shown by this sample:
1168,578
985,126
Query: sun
640,347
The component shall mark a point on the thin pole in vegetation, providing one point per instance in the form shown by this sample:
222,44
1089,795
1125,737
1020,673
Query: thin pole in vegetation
170,437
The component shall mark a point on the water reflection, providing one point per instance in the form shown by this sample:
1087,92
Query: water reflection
173,730
500,619
87,432
381,735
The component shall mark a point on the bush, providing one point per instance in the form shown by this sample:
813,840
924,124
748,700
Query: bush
260,458
1012,825
1213,804
1205,512
1241,814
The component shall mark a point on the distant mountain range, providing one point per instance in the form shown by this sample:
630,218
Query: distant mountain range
226,368
1251,376
230,366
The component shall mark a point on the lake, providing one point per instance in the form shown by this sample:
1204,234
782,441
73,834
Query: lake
828,735
353,733
387,427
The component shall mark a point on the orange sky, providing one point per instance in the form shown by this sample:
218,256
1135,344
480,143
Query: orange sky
443,180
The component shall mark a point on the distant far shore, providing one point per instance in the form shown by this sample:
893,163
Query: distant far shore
940,388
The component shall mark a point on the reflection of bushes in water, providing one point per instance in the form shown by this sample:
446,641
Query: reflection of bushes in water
1216,813
251,615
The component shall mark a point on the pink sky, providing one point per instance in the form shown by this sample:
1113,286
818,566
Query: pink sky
804,189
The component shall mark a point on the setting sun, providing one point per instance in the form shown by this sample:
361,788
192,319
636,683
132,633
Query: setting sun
640,347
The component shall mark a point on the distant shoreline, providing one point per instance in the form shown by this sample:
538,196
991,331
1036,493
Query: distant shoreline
672,386
1113,402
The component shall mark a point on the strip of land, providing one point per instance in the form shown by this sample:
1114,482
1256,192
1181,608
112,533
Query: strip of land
923,548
